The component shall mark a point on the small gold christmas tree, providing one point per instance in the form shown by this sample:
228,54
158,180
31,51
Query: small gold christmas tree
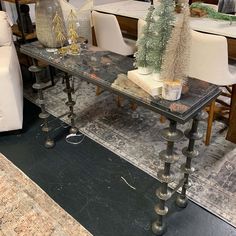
72,33
59,30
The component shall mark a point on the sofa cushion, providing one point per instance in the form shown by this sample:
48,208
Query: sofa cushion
11,90
5,30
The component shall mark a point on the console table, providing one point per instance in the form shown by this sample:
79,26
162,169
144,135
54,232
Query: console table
102,68
128,12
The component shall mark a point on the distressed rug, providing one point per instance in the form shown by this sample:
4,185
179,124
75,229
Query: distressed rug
25,209
134,137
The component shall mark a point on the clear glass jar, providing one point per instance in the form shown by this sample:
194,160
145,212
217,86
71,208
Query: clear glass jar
45,11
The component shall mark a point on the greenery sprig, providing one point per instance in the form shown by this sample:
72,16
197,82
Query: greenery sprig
211,13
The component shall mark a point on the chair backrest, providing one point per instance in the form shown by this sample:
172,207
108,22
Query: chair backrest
108,33
209,59
141,24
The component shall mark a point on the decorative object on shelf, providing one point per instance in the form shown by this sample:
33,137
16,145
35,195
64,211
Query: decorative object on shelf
175,60
122,83
83,14
58,28
45,11
146,82
199,9
142,59
152,43
162,26
27,26
72,25
171,90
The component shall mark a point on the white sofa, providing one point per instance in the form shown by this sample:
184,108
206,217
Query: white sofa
11,87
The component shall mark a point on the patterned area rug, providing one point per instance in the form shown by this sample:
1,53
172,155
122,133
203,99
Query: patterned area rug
134,137
25,209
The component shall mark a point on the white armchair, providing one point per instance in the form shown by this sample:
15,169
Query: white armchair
108,34
209,62
11,88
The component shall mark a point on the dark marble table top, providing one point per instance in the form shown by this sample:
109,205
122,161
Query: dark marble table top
102,68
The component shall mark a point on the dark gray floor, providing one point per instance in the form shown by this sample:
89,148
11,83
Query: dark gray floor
86,181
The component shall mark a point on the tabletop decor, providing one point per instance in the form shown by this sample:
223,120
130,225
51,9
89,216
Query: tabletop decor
72,33
199,9
156,32
142,58
58,29
45,11
151,47
175,60
162,26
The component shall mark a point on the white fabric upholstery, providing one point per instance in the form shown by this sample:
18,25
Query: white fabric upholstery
141,24
109,36
11,88
5,33
83,15
209,59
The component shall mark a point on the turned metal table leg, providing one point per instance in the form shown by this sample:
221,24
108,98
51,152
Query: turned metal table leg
70,103
193,135
171,135
39,86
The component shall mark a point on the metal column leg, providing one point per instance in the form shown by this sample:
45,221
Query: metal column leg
193,135
171,135
70,103
39,86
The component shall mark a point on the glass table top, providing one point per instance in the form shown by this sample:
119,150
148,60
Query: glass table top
103,67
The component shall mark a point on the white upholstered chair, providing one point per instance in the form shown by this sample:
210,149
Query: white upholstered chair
209,62
141,24
11,88
109,36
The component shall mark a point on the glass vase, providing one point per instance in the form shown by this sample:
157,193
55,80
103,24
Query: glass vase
45,12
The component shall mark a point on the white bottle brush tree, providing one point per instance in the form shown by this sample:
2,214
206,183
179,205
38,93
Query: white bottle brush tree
142,59
175,60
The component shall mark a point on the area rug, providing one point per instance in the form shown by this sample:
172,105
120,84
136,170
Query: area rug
134,136
25,209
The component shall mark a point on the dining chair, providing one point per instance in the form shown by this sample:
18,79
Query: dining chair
209,62
108,34
109,37
141,24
